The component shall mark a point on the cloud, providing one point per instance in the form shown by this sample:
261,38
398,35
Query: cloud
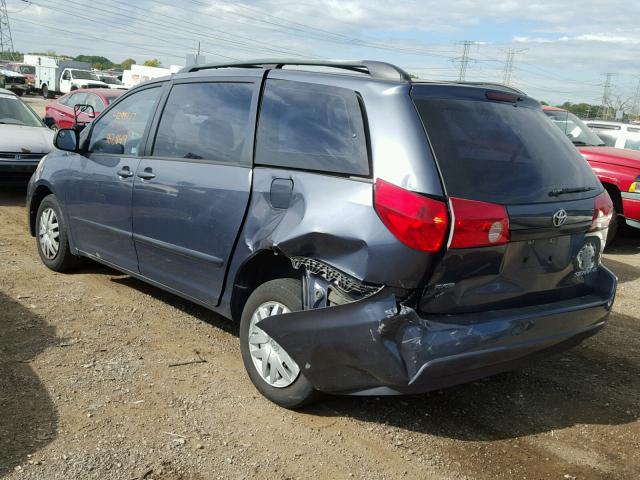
569,43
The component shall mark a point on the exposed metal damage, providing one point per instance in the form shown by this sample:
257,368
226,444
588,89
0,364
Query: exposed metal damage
376,344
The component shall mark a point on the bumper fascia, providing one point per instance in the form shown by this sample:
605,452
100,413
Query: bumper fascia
17,172
372,346
631,208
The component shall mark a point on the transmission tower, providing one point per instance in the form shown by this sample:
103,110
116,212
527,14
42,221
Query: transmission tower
636,101
464,60
6,42
606,96
508,66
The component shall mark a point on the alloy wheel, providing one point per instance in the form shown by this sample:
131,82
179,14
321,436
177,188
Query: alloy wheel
49,233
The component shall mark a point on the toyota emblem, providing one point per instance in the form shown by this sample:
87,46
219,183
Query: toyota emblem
559,218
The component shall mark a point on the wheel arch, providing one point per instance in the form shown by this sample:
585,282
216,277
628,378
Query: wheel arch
259,268
616,196
39,194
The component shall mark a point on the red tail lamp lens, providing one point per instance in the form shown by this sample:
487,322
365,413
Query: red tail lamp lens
603,212
478,224
417,221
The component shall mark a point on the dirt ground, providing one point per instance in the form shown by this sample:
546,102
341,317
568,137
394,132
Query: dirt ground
86,391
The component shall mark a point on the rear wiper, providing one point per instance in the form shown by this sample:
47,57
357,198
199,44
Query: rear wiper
556,192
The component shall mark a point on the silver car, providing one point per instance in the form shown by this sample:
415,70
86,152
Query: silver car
24,140
617,134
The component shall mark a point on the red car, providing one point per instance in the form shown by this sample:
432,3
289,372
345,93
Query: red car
29,71
618,170
60,111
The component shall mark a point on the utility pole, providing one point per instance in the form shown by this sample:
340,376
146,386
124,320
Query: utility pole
6,42
636,101
464,60
604,106
508,66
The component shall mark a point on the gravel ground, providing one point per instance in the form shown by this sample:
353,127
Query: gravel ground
86,392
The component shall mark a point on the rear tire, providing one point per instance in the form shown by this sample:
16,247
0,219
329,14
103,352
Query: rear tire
52,238
45,92
292,392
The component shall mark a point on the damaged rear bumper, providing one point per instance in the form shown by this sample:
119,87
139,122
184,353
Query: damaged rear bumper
374,346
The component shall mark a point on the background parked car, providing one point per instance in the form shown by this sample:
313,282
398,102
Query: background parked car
618,170
14,81
24,139
29,71
61,109
113,82
617,134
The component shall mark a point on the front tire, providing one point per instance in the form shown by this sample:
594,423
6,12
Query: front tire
52,238
271,370
613,228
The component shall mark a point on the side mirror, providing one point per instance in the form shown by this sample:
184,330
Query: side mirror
49,121
66,139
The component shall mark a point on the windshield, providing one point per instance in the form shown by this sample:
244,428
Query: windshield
501,152
574,128
27,69
14,112
83,75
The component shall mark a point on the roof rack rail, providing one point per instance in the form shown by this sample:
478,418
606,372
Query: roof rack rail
374,69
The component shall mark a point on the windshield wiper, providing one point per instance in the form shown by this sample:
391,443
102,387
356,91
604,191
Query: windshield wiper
556,192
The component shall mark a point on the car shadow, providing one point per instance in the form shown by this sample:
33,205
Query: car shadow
28,417
587,385
13,196
627,242
624,271
190,308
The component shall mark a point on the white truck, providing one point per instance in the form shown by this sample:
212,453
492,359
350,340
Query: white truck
55,76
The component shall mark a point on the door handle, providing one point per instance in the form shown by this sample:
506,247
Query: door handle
147,174
125,172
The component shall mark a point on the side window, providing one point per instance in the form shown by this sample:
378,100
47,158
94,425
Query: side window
121,129
77,99
95,102
311,127
633,142
66,100
205,121
66,75
609,138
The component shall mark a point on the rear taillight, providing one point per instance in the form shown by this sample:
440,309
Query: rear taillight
603,212
417,221
478,224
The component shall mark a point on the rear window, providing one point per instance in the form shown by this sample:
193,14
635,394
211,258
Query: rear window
502,153
311,127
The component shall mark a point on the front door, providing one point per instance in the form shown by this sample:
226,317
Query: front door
191,194
99,200
65,81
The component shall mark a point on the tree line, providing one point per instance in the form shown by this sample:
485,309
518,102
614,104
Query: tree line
98,62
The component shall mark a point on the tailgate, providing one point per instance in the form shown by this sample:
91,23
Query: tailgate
503,153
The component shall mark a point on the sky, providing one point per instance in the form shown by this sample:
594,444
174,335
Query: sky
563,48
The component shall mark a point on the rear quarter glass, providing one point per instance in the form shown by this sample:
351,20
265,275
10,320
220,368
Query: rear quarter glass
500,152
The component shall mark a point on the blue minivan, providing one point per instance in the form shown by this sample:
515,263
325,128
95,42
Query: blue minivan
372,235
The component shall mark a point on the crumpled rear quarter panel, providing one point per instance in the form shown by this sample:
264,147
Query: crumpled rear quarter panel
331,219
